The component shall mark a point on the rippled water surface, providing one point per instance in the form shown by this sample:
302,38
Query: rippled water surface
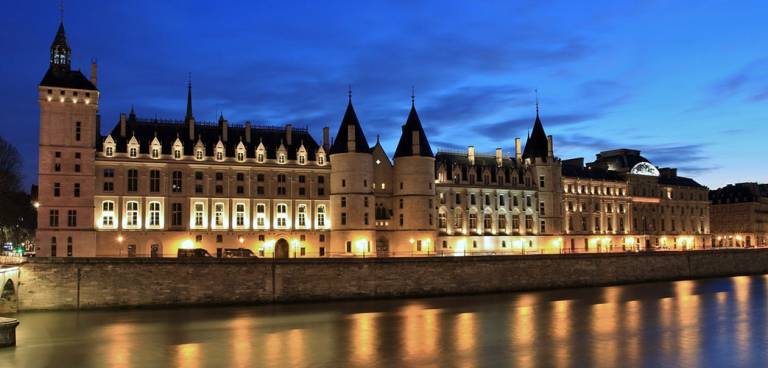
709,323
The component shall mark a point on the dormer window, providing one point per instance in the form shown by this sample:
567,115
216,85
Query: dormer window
133,147
109,146
301,155
154,148
321,160
199,154
155,153
260,153
240,152
219,156
281,158
178,148
281,154
132,152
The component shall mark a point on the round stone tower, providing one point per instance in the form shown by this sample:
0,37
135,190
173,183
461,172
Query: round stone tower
353,224
413,191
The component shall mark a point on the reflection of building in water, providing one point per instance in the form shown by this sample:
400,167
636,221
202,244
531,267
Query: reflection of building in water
739,215
150,187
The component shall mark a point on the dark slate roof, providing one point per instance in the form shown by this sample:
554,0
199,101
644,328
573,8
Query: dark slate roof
404,147
482,162
210,133
536,145
739,193
340,142
622,159
573,171
66,79
679,181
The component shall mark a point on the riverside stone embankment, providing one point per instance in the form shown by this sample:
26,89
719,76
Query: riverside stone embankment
81,283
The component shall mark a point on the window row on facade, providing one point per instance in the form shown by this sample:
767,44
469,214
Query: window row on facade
136,213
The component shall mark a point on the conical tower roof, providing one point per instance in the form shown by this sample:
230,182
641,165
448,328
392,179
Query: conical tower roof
405,146
342,136
537,143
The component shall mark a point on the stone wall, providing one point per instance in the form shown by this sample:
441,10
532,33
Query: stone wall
98,282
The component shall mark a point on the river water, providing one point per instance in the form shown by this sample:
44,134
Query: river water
708,323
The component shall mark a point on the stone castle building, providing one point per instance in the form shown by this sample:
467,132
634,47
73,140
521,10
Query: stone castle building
150,187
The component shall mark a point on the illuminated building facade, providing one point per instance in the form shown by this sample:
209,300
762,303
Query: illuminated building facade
740,215
150,187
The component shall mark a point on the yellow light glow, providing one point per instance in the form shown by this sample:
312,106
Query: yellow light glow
119,238
187,244
629,241
361,245
411,241
241,240
36,204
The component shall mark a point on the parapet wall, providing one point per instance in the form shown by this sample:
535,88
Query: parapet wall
73,283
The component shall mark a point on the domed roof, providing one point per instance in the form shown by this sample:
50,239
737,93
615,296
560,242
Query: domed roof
621,160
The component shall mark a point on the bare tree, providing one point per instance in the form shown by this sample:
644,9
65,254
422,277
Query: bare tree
10,167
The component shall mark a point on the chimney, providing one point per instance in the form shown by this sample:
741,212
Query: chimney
499,157
122,124
224,125
326,141
350,138
416,145
288,134
550,153
471,154
191,123
518,150
247,132
93,71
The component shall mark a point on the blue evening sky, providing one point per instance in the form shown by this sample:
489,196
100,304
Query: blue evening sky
686,82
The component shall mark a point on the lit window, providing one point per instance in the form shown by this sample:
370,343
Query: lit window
199,212
282,215
302,215
218,215
239,214
108,214
132,214
154,213
260,215
321,216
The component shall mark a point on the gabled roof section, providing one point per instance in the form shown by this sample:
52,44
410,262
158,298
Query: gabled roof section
406,144
536,145
342,136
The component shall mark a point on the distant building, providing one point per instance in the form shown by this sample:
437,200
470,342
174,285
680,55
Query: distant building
150,187
740,215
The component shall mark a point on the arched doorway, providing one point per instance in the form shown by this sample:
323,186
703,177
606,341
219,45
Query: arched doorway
281,248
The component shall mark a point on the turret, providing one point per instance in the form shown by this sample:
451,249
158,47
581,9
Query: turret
414,189
352,200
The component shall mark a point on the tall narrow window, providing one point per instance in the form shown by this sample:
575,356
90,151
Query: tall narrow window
72,218
240,214
69,246
154,181
53,246
261,214
176,214
176,182
56,189
108,213
218,214
154,213
282,215
53,218
302,215
320,216
199,214
132,213
78,128
133,180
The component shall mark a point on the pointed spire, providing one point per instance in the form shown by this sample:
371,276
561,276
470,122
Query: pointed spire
537,144
413,96
350,137
413,139
61,53
188,117
537,102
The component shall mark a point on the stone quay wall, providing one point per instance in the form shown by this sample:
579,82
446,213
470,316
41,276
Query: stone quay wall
84,283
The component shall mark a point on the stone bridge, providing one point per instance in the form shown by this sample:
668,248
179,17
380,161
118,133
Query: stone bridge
9,296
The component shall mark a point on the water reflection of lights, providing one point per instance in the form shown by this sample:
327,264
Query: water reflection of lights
242,341
188,355
119,344
363,337
419,332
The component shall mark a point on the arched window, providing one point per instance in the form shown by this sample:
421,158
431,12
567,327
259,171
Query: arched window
239,214
108,214
132,214
261,215
154,213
